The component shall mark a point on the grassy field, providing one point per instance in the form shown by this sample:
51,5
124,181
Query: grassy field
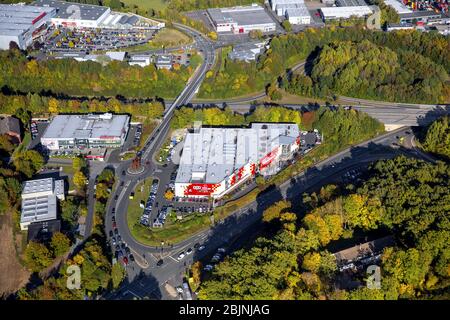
167,37
147,4
134,210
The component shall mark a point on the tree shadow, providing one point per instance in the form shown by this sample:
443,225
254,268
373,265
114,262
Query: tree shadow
141,286
434,114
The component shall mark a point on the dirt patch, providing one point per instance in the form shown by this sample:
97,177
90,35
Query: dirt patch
13,275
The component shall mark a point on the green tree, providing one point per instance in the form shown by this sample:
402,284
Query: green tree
28,162
60,244
37,256
437,137
118,274
287,25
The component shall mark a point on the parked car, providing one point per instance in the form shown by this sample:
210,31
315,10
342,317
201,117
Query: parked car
160,263
201,248
189,251
181,256
111,233
125,260
208,267
221,250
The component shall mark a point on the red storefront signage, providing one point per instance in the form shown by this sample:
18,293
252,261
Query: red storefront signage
268,159
200,189
39,17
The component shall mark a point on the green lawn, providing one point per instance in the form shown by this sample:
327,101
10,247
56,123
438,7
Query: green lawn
134,210
147,4
172,232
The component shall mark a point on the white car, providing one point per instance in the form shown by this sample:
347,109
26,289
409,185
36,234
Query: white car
201,248
181,256
221,250
179,289
208,267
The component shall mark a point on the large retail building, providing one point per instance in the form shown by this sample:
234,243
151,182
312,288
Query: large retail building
21,24
73,131
216,160
241,19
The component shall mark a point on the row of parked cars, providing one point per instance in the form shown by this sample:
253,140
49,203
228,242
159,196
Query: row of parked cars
162,215
34,129
137,135
121,251
215,258
149,204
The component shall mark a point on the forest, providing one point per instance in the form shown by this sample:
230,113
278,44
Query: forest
365,70
405,197
234,78
70,77
39,104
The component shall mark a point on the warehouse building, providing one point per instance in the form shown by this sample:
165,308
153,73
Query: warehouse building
298,15
333,13
86,131
398,6
39,201
241,19
295,11
22,24
217,160
70,14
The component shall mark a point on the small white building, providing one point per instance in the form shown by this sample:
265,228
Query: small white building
39,200
164,62
142,60
298,15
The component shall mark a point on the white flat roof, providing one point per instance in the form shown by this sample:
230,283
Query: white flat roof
345,12
248,15
212,154
16,19
398,6
90,126
40,208
40,185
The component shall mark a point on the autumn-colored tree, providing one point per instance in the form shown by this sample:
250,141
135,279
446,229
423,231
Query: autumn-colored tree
79,180
311,262
37,256
60,244
169,194
275,210
52,105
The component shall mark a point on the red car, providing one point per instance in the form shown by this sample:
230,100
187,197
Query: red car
114,225
125,260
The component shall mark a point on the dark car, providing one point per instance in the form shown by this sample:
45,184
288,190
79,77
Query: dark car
116,232
196,245
113,210
131,257
116,197
117,248
121,183
113,219
119,239
111,234
127,250
160,263
116,254
124,246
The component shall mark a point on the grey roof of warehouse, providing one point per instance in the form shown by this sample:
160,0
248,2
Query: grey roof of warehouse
15,19
86,126
419,14
65,10
240,15
214,153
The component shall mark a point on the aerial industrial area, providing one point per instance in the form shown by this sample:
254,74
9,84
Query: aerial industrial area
275,150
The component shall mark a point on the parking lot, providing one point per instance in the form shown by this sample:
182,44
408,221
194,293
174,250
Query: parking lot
87,40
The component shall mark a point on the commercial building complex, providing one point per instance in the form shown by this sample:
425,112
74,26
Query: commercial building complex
241,19
216,160
86,131
39,200
21,24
